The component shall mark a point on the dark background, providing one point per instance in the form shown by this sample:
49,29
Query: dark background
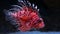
49,10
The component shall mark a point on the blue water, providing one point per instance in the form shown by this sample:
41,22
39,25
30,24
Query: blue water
35,32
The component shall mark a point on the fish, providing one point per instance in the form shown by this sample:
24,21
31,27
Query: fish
25,15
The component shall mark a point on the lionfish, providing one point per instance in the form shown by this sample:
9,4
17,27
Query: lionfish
25,16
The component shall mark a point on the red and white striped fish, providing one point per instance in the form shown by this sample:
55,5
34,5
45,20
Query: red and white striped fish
25,15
